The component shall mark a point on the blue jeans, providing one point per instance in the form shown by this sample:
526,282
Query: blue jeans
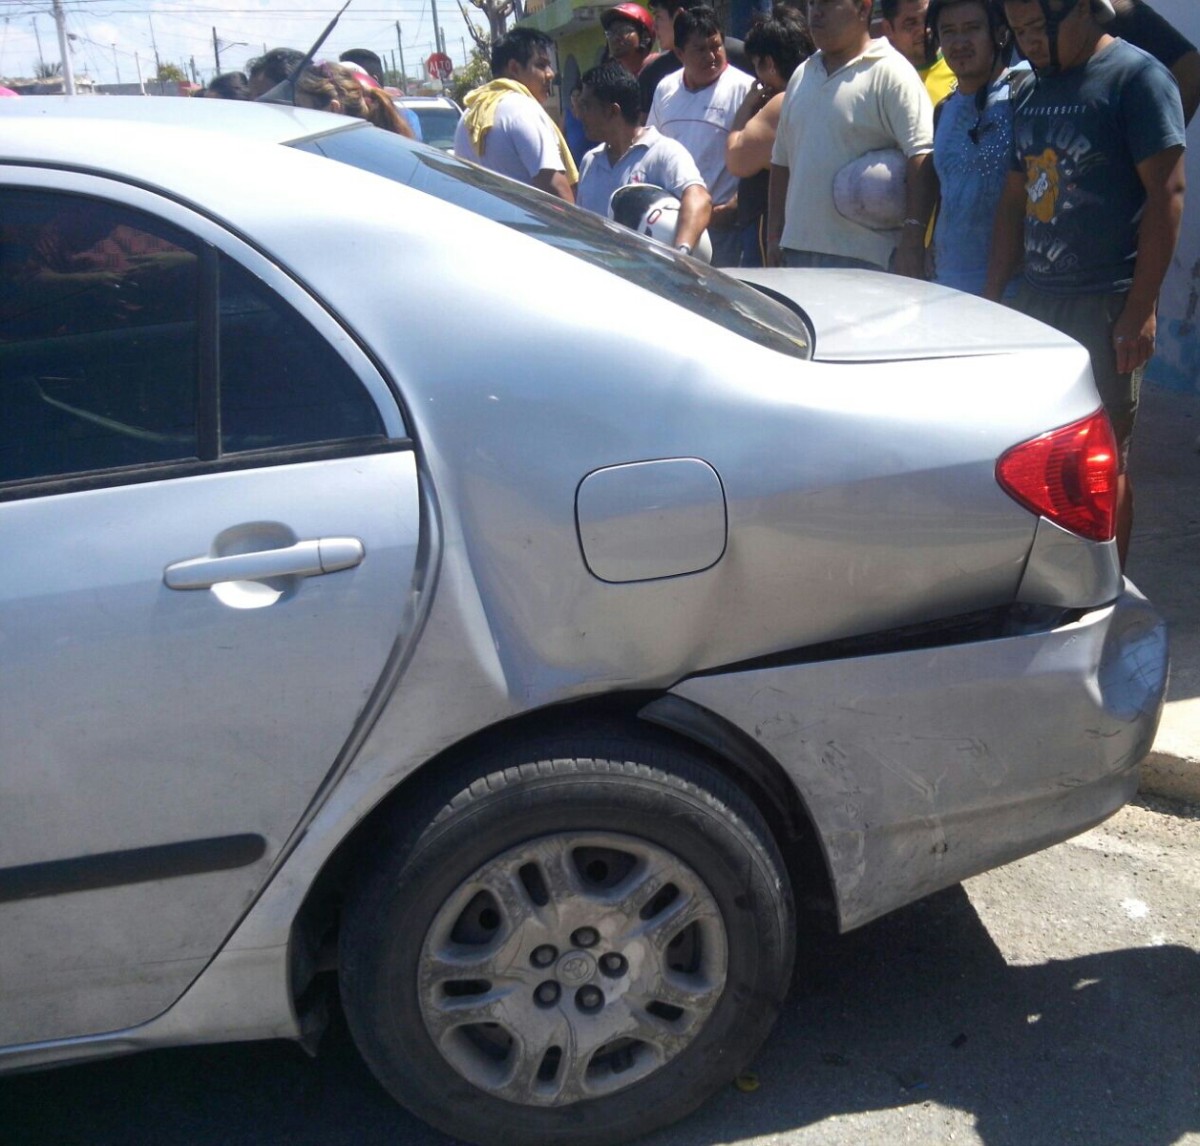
727,245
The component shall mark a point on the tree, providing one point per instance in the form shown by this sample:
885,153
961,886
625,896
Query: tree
47,71
477,71
497,13
170,74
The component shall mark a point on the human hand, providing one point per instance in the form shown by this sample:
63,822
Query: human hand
1133,337
724,215
910,260
756,99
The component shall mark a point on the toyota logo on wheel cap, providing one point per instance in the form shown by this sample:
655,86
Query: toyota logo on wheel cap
576,967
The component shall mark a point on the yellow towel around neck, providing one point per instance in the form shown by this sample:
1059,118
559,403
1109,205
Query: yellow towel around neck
481,115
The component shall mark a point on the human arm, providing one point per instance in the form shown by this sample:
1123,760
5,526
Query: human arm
1008,237
777,191
1162,176
674,168
537,144
1143,27
554,183
695,210
748,148
1186,71
908,116
919,182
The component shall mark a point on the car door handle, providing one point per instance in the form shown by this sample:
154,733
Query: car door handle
304,559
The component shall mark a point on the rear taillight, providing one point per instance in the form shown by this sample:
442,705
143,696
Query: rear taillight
1068,475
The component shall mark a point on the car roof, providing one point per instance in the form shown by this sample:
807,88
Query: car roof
261,122
428,101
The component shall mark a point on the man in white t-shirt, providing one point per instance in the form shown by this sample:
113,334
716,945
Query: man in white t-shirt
608,106
505,127
697,106
855,95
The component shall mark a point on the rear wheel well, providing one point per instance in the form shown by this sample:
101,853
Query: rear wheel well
665,719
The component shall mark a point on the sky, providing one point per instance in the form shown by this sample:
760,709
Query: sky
112,37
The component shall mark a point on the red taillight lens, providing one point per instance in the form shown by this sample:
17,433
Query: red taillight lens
1068,475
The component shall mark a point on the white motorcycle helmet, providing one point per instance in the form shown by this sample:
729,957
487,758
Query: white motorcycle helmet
871,190
650,210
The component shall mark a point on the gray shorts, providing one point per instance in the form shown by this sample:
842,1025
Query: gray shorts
1089,318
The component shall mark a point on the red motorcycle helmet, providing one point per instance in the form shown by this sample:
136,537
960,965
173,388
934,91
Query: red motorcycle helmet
634,13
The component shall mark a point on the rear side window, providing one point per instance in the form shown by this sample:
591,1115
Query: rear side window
282,384
717,297
126,342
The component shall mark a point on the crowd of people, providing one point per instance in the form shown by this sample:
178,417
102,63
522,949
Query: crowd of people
1029,151
351,85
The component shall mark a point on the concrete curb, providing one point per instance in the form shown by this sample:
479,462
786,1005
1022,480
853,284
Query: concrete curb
1165,468
1172,769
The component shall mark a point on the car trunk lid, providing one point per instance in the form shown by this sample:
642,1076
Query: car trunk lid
855,317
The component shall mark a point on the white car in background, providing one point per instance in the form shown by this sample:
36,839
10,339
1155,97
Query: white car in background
438,115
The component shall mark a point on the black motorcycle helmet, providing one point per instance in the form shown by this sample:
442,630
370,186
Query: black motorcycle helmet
1054,17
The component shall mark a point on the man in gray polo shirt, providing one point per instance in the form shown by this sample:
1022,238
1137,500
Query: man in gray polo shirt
608,108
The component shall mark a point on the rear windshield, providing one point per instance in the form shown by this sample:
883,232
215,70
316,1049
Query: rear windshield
587,236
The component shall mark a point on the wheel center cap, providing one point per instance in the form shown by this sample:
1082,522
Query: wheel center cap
576,967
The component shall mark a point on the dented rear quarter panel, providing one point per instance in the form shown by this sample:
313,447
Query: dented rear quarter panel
922,768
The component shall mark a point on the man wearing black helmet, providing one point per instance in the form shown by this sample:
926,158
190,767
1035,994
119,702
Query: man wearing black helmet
1094,198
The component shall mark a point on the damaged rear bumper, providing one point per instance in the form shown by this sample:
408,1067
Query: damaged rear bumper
921,768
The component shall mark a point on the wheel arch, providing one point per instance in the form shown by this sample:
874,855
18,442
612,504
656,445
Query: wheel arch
664,718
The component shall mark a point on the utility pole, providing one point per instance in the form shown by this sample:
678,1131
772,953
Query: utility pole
437,31
60,22
116,63
195,77
137,63
154,45
217,50
403,75
38,36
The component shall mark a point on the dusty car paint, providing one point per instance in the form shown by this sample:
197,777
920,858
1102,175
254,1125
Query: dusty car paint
558,516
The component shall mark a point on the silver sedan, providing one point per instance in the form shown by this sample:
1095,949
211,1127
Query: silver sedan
411,577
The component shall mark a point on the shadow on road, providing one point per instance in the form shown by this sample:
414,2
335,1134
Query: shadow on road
916,1010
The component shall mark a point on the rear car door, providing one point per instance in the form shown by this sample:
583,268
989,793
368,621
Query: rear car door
210,519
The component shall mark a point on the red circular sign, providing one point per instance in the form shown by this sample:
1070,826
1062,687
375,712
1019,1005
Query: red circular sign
439,66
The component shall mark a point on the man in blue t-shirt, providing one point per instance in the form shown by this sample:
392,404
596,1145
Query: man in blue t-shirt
1094,198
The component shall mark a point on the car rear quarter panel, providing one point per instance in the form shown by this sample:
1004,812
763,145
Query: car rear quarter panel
922,768
860,496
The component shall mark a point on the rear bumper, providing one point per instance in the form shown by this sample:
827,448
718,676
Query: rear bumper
922,768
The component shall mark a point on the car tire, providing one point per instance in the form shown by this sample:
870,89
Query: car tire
572,948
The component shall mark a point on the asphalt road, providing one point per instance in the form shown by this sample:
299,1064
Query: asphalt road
1054,1001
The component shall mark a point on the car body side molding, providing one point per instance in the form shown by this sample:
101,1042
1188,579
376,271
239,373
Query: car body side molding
135,865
